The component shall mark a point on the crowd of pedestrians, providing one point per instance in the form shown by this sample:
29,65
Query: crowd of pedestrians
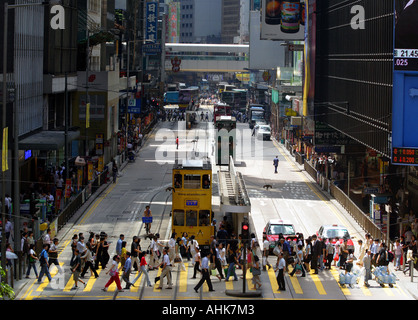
227,254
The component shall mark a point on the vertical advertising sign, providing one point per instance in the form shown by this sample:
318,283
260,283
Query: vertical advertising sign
151,21
67,193
282,20
174,21
310,53
405,82
4,150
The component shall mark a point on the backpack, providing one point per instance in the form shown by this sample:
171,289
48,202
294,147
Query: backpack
390,256
42,259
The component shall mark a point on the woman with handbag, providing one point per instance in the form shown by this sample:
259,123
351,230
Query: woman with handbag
256,272
114,274
299,262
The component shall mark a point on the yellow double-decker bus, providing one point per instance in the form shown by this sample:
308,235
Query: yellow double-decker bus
192,200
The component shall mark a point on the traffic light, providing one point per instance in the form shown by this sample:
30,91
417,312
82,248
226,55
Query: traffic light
245,231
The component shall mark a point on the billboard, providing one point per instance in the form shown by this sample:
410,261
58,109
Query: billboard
405,82
283,20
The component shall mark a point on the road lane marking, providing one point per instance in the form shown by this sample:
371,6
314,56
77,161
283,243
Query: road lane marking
336,276
183,280
45,280
295,282
318,284
273,281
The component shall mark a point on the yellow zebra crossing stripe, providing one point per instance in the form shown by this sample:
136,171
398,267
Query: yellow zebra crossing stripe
295,282
318,284
53,272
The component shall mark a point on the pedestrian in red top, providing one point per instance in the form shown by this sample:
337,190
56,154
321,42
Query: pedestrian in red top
177,142
143,269
114,274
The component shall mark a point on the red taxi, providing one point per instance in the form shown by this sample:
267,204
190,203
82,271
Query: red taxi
274,228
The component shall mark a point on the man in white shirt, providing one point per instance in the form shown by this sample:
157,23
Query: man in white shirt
166,271
374,249
266,249
281,266
154,257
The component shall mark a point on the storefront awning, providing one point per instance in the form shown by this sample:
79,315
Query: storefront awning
47,140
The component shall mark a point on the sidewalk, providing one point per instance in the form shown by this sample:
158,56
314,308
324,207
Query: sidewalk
404,281
19,285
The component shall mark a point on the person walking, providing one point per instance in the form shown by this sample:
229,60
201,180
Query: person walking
398,250
114,274
298,262
232,261
43,259
193,245
367,264
127,268
256,271
133,255
53,255
316,251
172,247
177,142
197,262
32,258
276,163
166,266
143,270
266,250
88,264
281,267
205,274
114,171
119,244
75,264
148,215
329,254
153,264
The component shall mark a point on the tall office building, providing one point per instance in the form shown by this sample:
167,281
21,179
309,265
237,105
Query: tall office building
230,20
200,21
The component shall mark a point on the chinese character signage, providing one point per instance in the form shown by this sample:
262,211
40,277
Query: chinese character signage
151,21
174,21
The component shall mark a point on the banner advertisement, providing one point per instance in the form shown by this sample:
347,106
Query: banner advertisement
405,83
100,164
283,20
4,150
79,178
58,197
67,188
90,169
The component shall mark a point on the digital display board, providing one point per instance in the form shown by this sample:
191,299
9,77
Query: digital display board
406,36
405,156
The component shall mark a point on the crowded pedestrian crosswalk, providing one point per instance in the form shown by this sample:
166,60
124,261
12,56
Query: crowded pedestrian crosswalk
324,285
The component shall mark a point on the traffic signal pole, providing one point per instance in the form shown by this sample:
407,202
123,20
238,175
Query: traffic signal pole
245,236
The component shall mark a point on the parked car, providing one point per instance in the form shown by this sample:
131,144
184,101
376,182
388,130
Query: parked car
335,231
275,227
